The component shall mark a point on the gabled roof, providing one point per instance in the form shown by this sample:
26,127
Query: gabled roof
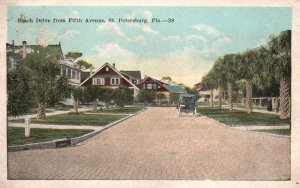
52,50
114,69
173,88
161,83
199,86
176,88
133,74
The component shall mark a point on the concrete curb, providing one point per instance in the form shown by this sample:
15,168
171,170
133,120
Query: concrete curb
67,142
249,131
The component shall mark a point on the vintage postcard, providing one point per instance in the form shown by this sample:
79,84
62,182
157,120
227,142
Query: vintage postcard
193,94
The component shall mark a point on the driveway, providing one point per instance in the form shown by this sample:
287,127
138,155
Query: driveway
157,144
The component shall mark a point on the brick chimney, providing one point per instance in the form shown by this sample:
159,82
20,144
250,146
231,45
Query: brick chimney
114,65
24,53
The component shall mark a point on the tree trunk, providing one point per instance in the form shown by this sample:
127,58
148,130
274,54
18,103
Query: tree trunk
211,98
95,105
75,104
229,87
249,96
284,99
41,113
107,105
220,97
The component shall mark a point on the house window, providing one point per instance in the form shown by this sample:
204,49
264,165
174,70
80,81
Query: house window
69,72
149,86
144,86
107,69
154,86
73,74
115,81
98,81
158,86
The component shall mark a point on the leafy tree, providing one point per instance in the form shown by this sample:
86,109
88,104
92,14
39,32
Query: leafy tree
167,79
106,96
45,72
83,64
58,90
19,92
73,55
160,96
92,94
77,95
122,96
146,96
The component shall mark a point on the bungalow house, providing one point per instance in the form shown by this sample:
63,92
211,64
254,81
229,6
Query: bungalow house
203,93
107,76
16,53
158,86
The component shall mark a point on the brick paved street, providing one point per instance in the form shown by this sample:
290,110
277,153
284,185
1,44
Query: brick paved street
157,144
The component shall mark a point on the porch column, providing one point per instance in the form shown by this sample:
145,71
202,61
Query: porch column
135,94
260,102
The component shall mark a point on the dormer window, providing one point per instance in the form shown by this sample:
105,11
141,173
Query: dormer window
107,69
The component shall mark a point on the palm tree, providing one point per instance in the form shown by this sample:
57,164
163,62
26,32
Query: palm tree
230,69
45,71
209,84
219,78
280,48
76,93
248,69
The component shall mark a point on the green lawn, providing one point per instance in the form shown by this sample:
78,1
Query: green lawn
63,107
126,109
241,118
80,119
277,131
15,135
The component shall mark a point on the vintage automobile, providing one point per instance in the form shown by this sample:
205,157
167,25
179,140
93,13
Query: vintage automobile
187,104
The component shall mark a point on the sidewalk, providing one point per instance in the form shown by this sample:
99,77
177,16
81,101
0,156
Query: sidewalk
253,110
48,113
51,126
250,128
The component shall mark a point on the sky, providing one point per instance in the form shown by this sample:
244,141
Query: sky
184,49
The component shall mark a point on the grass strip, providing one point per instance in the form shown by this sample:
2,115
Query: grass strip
276,131
125,110
76,119
242,118
16,135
